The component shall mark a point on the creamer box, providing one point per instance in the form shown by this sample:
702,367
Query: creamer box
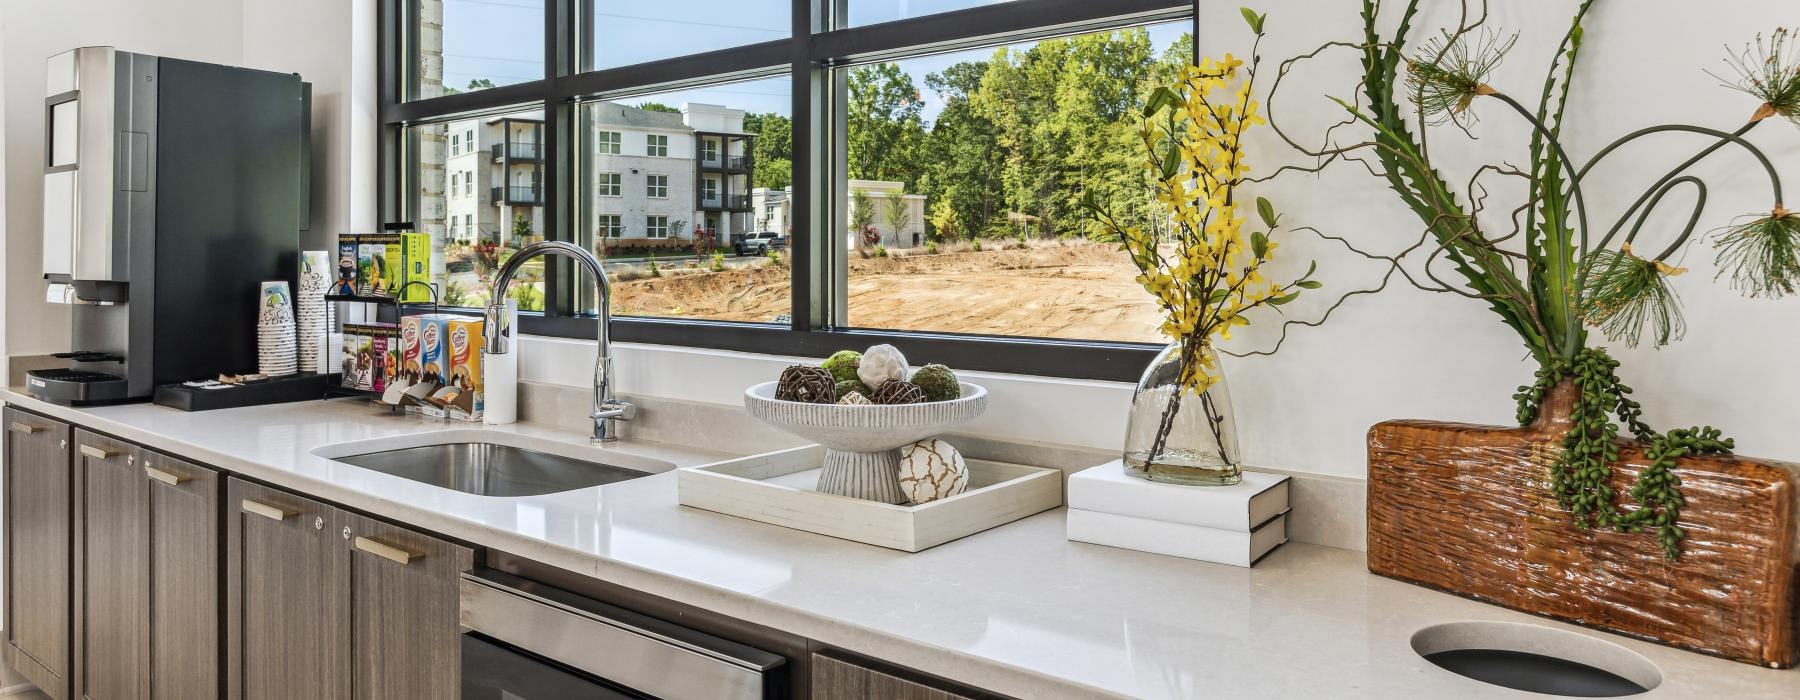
384,344
465,367
434,347
410,366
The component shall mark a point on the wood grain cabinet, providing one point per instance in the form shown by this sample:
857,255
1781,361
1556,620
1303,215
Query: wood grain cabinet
841,677
39,533
323,604
146,584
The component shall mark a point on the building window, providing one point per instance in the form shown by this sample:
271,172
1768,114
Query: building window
899,145
609,226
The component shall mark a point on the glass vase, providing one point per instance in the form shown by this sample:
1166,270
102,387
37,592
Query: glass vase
1177,436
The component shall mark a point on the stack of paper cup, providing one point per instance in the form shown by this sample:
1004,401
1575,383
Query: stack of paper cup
312,313
275,332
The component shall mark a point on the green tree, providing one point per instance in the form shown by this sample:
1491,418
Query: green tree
480,83
774,150
885,125
897,214
657,107
963,157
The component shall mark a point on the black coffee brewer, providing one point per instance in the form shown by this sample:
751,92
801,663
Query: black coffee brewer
172,189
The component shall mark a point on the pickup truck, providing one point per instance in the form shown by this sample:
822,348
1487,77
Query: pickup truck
758,243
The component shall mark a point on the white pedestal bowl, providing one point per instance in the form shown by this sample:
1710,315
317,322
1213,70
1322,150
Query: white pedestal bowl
862,442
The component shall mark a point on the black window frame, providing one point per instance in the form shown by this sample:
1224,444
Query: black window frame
808,57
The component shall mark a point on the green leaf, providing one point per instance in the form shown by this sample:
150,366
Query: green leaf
1259,244
1217,296
1159,98
1254,20
1309,284
1278,301
1265,210
1171,162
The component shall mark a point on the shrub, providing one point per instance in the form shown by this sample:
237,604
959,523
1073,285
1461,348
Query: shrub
775,257
931,247
975,245
718,263
654,270
880,250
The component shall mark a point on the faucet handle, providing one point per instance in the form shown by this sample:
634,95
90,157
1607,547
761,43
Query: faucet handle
615,410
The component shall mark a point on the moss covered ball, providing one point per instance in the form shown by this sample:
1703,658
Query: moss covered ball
853,385
842,365
939,383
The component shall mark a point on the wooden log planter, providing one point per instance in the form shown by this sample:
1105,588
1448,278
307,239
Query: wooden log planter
1468,509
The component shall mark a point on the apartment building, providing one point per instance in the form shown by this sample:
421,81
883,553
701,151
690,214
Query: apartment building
772,212
493,178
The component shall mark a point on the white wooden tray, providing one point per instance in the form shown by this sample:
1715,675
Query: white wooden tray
777,488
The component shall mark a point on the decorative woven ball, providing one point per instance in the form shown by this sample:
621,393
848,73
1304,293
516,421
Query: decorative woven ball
938,381
855,398
898,392
880,364
842,365
806,385
853,386
932,469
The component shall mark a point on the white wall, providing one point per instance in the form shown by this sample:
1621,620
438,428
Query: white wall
317,40
1408,353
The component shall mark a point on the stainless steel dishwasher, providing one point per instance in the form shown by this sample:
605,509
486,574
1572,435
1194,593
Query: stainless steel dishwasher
523,640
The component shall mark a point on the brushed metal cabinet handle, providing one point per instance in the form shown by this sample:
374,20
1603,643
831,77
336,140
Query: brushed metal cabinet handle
165,477
384,550
97,453
25,428
266,510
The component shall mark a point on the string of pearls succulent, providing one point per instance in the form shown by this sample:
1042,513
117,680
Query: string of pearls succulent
1581,475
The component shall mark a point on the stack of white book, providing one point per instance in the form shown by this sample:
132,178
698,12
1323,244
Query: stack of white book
1233,525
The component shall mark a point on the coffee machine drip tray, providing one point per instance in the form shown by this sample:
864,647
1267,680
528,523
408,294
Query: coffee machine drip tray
72,387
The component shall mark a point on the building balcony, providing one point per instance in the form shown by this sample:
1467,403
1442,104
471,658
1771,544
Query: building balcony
728,202
732,163
517,150
518,194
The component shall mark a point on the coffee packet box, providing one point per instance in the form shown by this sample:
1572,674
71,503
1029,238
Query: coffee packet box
465,368
348,254
384,346
414,258
358,363
378,261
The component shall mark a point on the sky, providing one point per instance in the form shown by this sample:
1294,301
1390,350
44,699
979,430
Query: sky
502,40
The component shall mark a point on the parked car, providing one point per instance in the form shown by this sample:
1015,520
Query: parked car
758,243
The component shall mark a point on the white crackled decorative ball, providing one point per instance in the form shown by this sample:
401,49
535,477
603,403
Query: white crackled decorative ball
855,398
881,363
932,469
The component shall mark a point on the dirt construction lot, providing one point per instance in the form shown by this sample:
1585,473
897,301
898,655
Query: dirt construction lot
1076,290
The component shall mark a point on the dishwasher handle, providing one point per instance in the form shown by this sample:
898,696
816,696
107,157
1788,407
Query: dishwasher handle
630,649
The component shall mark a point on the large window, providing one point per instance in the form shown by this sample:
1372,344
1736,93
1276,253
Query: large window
899,171
963,183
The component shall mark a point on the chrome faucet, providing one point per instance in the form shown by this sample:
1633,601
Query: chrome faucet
497,329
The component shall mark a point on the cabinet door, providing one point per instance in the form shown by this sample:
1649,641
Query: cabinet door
403,593
184,577
841,678
286,601
39,521
112,579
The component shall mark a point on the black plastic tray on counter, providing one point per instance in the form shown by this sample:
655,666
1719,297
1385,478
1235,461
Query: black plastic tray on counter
293,387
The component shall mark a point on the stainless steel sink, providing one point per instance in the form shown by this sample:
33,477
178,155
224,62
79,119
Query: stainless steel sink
488,469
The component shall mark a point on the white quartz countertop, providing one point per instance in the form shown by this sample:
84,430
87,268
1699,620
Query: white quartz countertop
1017,610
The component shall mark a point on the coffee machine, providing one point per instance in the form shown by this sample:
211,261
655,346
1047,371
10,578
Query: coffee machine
172,189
